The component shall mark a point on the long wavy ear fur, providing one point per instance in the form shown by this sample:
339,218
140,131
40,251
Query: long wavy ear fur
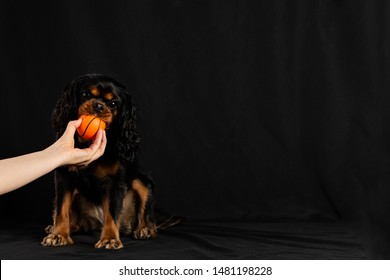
66,108
129,140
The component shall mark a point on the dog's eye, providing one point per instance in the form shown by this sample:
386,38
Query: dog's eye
113,104
85,94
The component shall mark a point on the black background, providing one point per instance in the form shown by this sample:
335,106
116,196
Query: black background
249,110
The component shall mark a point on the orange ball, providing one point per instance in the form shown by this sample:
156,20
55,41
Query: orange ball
90,125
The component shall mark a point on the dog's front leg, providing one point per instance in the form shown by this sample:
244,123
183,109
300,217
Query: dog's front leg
59,233
109,238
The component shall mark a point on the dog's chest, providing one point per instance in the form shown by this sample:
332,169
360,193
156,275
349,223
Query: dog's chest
103,169
94,181
97,173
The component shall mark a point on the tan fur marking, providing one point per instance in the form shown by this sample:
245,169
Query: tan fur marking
95,91
144,230
110,233
141,189
103,170
59,233
143,193
110,230
108,96
62,220
87,109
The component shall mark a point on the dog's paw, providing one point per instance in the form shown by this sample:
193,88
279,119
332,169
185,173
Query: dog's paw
144,233
56,240
109,244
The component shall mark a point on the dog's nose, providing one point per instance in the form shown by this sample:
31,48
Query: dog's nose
98,107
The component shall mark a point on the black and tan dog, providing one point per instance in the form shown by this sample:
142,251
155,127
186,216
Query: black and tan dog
111,193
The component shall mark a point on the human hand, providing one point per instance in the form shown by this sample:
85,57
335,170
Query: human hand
70,155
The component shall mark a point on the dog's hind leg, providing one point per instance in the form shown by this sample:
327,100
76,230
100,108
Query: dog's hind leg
145,224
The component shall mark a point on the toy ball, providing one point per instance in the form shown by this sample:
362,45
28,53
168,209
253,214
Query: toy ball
90,125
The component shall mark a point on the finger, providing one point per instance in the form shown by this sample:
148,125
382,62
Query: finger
102,146
97,148
104,141
98,137
96,142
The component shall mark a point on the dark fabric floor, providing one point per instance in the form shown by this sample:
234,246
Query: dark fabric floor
198,240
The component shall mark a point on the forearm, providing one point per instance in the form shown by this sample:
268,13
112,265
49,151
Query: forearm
19,171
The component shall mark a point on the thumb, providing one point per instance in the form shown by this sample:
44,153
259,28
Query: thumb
71,128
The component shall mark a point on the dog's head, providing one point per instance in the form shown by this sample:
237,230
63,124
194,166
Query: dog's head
96,94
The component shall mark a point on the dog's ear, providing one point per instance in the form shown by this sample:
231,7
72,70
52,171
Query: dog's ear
128,141
66,108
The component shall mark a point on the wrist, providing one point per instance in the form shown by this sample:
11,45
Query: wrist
56,155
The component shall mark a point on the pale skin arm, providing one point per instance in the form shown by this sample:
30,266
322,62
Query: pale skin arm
19,171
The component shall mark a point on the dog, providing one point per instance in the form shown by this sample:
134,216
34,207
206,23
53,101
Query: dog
111,194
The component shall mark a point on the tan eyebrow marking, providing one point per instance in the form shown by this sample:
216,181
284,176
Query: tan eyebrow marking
108,96
95,91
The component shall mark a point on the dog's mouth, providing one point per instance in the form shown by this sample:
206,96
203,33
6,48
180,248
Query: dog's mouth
97,109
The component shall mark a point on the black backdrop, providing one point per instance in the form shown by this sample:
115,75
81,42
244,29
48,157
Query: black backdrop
253,110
